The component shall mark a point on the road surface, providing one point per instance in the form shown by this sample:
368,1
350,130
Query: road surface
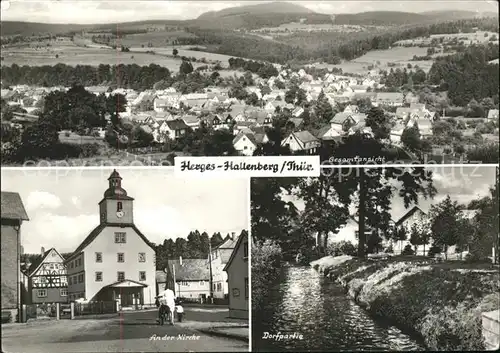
128,332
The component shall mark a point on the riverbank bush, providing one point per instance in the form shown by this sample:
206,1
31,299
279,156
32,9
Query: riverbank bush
441,302
266,267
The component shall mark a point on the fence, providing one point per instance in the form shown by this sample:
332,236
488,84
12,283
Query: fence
216,301
93,308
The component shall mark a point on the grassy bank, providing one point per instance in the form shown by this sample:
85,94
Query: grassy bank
441,302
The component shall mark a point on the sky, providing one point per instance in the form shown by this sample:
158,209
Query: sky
463,184
62,205
111,11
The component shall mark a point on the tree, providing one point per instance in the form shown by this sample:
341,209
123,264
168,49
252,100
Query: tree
186,67
175,52
379,122
445,223
415,236
40,139
410,138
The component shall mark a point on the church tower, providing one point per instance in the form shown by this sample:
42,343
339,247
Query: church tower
116,207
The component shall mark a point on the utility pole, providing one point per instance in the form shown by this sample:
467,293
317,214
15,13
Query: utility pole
361,217
210,268
173,272
497,235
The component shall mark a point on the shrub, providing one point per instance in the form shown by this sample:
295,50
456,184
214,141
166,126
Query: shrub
434,249
266,265
408,250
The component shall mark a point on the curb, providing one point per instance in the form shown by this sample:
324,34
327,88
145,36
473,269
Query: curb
225,335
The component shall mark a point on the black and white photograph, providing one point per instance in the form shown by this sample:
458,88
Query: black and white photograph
123,260
92,83
393,259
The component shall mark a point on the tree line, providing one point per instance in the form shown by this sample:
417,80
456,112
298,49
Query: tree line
127,76
468,75
264,70
327,199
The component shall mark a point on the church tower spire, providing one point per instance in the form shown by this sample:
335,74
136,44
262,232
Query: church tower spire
115,189
116,206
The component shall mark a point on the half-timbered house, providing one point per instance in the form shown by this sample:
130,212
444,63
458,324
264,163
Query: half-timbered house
48,279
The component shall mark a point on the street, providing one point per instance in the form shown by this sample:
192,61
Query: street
126,332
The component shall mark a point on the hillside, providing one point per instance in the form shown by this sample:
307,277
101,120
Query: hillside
258,9
397,18
11,28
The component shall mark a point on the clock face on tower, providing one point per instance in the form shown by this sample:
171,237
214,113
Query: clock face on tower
120,214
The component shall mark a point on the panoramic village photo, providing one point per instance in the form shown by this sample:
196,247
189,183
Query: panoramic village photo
376,260
101,83
116,260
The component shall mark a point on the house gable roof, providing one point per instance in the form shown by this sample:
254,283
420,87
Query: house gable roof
97,230
235,250
190,270
408,214
35,266
12,206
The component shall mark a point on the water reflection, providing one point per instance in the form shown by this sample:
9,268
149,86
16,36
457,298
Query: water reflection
305,303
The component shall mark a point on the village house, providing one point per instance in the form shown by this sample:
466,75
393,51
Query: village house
115,261
414,215
389,99
237,279
191,121
397,132
13,214
351,109
342,122
248,140
47,279
492,115
172,129
302,141
219,258
189,278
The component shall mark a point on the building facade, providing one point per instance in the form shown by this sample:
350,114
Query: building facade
47,279
219,258
115,261
237,278
191,278
12,214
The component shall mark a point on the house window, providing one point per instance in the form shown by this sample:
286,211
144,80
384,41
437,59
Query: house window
64,292
202,283
236,292
69,281
80,278
213,287
142,257
75,279
42,293
121,276
120,237
121,257
119,206
142,275
184,283
219,287
71,264
98,257
98,276
245,250
246,287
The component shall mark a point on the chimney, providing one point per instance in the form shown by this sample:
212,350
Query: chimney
233,235
180,260
42,250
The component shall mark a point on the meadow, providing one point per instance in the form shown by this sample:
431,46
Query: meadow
71,54
183,51
397,57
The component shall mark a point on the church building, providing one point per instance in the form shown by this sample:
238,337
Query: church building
115,261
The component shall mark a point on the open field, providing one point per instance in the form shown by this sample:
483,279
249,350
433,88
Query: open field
73,55
167,50
156,39
380,59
